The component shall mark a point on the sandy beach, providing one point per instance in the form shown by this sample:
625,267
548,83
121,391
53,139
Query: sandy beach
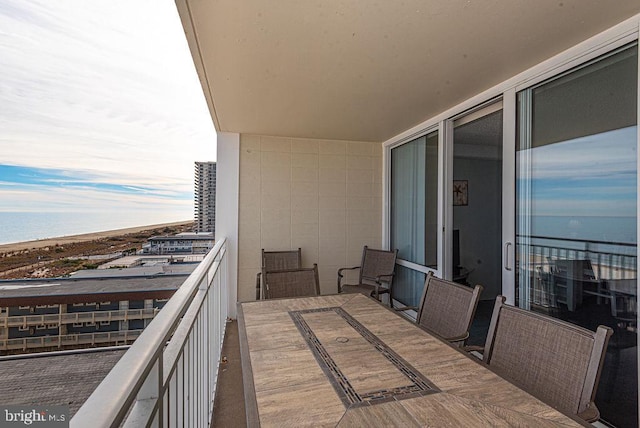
42,243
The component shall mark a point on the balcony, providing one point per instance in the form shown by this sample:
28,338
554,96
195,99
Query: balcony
306,159
170,376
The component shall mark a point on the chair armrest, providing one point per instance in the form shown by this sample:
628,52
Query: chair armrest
459,340
406,308
473,350
379,277
385,290
346,268
590,414
258,287
340,276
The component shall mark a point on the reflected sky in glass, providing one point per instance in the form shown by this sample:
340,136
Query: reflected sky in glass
594,175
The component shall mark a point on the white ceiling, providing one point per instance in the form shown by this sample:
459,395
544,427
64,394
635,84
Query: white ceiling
368,70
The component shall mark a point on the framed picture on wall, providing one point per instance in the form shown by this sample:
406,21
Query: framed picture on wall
460,192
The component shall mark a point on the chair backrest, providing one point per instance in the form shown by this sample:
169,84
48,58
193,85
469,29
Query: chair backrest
575,269
281,260
376,263
447,308
291,283
556,361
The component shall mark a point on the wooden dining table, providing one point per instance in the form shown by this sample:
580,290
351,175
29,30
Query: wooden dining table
347,361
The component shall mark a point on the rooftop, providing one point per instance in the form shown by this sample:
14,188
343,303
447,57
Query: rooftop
153,269
202,236
56,378
89,286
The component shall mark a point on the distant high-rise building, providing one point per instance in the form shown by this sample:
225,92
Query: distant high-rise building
205,195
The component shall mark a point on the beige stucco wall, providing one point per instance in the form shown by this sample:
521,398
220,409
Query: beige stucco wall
323,196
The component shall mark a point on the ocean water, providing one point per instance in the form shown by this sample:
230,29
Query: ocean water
28,226
592,228
607,236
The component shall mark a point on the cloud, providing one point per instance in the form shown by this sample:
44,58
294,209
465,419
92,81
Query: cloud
585,207
104,89
594,175
36,198
46,178
606,155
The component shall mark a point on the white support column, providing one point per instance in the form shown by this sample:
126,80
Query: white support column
148,304
4,332
509,113
124,306
227,197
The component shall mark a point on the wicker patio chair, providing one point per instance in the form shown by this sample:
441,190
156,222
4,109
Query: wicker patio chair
291,283
447,308
377,268
277,260
558,362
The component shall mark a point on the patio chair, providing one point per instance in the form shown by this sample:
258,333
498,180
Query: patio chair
291,283
277,260
447,308
377,268
558,362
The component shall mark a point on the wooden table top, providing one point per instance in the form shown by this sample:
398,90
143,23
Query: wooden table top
345,360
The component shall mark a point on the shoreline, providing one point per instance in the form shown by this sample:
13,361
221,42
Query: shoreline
84,237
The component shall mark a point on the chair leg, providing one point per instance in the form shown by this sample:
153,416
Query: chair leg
376,295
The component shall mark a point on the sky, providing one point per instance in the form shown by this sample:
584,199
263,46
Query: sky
101,109
594,175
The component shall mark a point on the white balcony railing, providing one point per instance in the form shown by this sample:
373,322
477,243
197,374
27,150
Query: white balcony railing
65,340
78,317
168,376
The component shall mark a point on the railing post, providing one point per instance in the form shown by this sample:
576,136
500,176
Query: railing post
148,404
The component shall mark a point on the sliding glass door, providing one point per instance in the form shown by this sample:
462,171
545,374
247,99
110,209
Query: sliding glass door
576,221
475,225
414,214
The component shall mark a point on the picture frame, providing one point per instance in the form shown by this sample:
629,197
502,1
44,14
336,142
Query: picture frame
460,192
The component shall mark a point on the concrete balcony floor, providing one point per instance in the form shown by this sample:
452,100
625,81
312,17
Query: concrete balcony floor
228,407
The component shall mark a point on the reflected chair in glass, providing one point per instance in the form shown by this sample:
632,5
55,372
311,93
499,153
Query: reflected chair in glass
558,362
624,305
277,260
291,283
572,279
375,274
447,308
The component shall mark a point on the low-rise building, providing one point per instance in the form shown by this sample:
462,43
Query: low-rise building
151,263
64,313
182,243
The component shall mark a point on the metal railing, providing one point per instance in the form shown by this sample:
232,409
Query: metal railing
78,317
168,376
610,260
65,340
562,270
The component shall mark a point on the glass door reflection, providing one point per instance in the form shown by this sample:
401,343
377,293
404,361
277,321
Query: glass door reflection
576,185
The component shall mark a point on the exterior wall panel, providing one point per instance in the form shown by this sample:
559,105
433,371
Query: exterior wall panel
323,196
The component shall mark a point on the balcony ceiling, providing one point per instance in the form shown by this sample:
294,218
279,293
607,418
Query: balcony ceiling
368,70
